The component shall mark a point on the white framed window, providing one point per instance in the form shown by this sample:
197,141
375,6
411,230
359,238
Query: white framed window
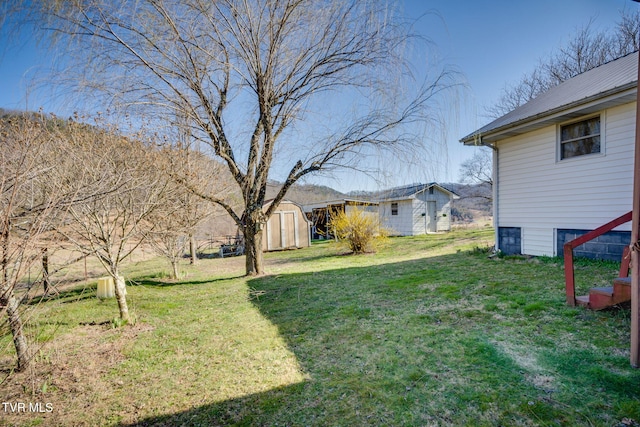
580,138
394,208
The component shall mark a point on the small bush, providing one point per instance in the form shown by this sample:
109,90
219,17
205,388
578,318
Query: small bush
360,231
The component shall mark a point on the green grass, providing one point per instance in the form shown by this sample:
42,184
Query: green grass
429,331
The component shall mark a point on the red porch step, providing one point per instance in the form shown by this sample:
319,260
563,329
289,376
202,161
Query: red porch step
603,297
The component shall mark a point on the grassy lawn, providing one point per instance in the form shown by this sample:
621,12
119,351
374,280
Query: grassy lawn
429,331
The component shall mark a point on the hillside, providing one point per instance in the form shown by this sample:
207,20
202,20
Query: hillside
304,194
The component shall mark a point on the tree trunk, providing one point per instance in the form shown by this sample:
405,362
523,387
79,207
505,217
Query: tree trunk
15,323
253,244
9,301
174,269
192,249
121,296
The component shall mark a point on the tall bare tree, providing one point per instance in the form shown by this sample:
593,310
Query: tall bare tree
256,80
587,49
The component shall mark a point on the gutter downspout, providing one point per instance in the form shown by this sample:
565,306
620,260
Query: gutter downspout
635,236
496,183
495,176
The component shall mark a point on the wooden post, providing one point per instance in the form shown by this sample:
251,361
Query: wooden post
193,248
45,270
569,276
635,224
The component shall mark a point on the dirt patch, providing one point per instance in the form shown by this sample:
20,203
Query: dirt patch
67,377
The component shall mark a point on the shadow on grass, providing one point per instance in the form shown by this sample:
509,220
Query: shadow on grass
251,410
66,296
300,257
164,283
426,342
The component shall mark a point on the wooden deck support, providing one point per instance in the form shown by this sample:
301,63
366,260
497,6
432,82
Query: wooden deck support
569,278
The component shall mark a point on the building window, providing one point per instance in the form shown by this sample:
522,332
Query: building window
580,138
394,209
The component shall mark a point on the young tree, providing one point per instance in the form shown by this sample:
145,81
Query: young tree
34,193
123,170
173,224
255,80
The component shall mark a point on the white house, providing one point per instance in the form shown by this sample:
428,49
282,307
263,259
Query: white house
563,163
416,209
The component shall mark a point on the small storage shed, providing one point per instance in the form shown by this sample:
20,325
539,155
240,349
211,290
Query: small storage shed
417,209
287,228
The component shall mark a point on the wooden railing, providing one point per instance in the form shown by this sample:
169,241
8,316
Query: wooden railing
569,278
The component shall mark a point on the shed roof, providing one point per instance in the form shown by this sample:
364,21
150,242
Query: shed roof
319,205
610,84
410,191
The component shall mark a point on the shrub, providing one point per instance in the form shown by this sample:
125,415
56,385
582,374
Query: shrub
360,231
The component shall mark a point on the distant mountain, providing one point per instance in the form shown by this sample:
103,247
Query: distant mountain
304,194
475,201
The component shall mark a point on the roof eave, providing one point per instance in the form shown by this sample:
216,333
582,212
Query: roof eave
617,96
414,195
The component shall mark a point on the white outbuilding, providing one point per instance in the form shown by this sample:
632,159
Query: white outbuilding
416,209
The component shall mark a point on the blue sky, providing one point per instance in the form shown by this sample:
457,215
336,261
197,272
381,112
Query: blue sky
492,44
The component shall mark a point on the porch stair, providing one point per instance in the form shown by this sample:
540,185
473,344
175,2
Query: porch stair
599,297
608,296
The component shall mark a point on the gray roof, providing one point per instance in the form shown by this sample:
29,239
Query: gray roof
610,84
409,191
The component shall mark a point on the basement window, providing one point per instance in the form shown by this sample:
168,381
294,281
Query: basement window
394,209
580,138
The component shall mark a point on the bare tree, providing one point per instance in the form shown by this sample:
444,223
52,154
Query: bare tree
255,80
174,223
478,169
478,172
202,182
586,50
123,171
34,193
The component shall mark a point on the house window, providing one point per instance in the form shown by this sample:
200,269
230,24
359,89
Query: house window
431,190
580,138
394,209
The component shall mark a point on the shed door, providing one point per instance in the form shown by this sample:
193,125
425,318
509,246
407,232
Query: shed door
274,233
282,230
289,231
433,218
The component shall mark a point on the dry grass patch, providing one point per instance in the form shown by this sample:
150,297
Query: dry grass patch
70,374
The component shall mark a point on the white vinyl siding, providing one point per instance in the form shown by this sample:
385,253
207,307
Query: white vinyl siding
420,209
540,194
537,241
413,217
400,224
